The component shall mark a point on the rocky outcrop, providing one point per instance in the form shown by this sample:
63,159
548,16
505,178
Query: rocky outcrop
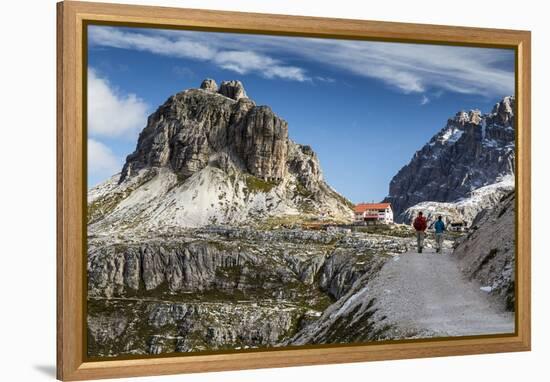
261,140
116,270
487,254
210,85
195,125
147,327
208,258
232,89
212,156
473,150
225,288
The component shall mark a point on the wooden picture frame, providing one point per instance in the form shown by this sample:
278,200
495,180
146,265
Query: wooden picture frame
72,363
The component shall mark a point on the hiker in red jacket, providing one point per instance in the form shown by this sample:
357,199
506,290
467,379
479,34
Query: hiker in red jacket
420,226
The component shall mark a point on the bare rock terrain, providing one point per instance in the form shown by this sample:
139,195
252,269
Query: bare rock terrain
488,253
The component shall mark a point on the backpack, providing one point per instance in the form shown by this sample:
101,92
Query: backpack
419,224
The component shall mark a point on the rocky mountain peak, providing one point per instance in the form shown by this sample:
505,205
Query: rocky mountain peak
471,151
212,155
475,116
193,126
461,117
232,89
464,117
503,111
210,85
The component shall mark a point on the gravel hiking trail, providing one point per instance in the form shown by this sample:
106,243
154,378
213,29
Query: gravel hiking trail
425,293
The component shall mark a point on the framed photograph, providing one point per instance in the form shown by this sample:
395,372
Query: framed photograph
242,191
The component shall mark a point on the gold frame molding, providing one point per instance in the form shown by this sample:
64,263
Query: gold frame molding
72,17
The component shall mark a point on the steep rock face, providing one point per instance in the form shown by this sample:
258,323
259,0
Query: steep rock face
303,162
261,140
488,253
192,126
232,89
178,267
473,150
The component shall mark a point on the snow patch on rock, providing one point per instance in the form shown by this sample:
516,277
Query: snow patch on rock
465,209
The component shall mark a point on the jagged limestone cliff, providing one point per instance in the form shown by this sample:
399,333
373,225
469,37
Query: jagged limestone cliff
211,156
473,150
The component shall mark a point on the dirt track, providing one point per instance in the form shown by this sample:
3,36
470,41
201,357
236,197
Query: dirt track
426,293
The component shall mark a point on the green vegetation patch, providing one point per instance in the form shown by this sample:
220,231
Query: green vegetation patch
255,184
103,206
106,204
303,191
286,221
386,229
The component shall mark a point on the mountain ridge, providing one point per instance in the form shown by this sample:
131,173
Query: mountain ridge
472,150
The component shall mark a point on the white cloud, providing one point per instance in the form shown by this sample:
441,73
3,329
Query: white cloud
424,100
408,68
184,45
325,79
111,113
102,162
150,42
244,62
413,68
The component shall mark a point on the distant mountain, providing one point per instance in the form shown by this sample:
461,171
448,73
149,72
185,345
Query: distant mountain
212,156
473,150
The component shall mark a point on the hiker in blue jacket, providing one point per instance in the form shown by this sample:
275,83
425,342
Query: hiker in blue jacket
439,229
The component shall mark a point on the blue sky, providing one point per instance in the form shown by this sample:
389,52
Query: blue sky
365,107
